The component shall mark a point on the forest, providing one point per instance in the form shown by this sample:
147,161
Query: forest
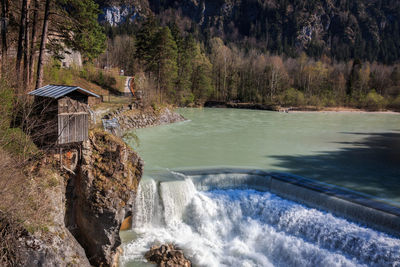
176,60
166,53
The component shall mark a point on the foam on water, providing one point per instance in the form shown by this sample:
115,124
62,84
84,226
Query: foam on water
175,197
251,228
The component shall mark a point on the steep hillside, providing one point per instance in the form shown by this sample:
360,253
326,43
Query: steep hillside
343,29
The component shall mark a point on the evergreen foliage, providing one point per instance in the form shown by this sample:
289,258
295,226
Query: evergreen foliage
164,63
81,30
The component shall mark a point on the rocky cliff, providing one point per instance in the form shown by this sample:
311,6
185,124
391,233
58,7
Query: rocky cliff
102,194
70,217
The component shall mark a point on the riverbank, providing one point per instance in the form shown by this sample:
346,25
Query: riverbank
256,106
127,118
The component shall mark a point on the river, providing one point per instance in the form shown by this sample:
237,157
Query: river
359,151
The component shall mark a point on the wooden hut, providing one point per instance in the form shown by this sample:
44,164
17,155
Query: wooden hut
62,114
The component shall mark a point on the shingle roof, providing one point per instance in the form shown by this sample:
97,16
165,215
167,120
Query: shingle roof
57,91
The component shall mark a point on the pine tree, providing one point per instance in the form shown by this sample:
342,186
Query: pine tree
80,29
202,87
144,42
164,62
186,56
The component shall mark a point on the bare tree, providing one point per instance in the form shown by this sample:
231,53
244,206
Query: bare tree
26,47
4,22
43,43
33,40
22,25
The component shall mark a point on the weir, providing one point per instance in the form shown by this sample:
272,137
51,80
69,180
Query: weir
343,202
227,217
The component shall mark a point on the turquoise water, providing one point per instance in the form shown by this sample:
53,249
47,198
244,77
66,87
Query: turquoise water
360,151
240,227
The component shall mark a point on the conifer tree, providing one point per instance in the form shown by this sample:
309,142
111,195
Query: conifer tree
144,42
164,62
80,29
202,86
186,56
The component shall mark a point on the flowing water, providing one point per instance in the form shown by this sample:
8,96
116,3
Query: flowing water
244,227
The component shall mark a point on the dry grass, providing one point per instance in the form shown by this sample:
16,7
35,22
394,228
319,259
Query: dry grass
23,192
10,233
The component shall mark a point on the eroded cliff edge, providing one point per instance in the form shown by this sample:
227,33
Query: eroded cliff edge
101,195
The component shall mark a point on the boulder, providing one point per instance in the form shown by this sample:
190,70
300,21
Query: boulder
167,255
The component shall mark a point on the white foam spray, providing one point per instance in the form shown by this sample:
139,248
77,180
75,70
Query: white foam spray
250,228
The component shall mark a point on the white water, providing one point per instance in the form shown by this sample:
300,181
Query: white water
250,228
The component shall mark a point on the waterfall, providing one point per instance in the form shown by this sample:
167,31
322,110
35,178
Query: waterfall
162,202
175,197
147,208
244,227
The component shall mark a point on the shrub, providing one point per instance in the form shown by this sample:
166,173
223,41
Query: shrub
374,101
292,97
187,99
395,103
17,143
54,74
13,139
104,80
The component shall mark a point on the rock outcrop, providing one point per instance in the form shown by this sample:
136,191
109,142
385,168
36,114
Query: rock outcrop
102,195
167,256
118,12
51,250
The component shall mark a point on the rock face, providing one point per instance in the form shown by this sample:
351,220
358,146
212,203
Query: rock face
119,12
116,15
102,195
168,256
62,250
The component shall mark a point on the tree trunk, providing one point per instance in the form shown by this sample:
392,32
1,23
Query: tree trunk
158,80
21,38
39,81
4,21
33,41
26,48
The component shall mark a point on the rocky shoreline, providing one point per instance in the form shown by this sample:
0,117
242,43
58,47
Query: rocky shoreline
127,118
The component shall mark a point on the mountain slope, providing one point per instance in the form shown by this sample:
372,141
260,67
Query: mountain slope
342,29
